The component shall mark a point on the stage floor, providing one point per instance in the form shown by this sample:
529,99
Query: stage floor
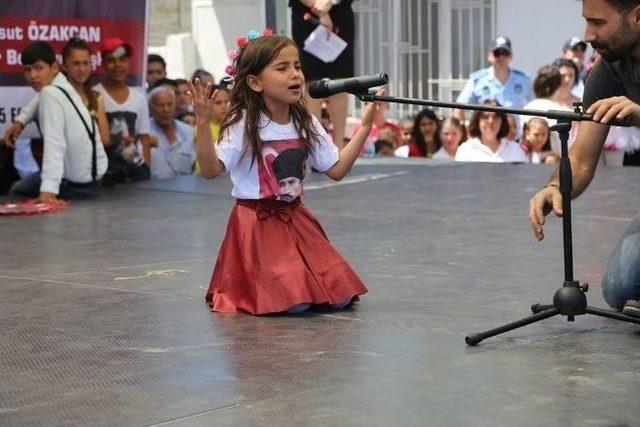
104,320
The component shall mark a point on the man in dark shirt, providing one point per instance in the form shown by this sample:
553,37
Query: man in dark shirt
612,92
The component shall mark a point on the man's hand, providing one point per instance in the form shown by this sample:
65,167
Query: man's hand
540,205
12,133
616,108
50,199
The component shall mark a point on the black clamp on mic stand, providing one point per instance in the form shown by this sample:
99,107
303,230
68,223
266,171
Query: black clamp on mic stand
570,300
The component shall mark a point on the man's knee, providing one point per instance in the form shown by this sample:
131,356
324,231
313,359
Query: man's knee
621,278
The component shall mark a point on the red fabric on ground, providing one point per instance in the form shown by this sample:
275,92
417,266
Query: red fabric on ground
30,207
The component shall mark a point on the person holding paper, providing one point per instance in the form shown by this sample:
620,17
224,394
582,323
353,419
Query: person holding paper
337,17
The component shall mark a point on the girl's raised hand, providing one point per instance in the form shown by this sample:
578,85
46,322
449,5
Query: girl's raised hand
202,98
370,110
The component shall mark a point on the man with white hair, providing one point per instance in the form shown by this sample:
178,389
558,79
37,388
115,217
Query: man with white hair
175,154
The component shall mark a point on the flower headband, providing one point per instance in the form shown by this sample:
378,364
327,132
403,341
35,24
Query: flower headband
241,43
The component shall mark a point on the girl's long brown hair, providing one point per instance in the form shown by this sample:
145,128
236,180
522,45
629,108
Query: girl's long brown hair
251,60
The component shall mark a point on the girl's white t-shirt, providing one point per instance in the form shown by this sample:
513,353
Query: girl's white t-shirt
284,163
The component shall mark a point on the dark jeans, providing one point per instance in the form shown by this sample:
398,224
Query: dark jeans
632,159
29,186
8,173
621,278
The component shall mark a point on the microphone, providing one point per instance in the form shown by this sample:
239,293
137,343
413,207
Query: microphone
354,85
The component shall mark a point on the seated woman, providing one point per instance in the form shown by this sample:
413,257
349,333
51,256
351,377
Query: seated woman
452,132
489,142
425,136
536,142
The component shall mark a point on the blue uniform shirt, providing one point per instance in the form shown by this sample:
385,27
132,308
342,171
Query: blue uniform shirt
483,85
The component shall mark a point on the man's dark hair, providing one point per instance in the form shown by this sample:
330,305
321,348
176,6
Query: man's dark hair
382,143
197,74
156,58
623,5
179,82
164,82
38,51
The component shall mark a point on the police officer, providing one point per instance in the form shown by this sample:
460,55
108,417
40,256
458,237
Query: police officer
511,88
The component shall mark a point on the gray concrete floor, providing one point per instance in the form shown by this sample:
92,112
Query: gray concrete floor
104,320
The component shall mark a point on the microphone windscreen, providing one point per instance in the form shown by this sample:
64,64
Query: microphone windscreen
318,89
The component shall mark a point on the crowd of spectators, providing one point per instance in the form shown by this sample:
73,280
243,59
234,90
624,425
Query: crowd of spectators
504,138
137,135
109,132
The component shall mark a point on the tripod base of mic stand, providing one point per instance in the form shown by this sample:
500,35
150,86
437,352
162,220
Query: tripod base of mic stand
570,301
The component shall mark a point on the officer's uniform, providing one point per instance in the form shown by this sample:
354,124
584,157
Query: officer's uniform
484,86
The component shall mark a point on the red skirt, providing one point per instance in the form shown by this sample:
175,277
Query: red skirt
275,255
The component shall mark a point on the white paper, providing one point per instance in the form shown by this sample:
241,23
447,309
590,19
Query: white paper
326,50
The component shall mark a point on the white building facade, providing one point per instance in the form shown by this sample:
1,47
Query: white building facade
428,47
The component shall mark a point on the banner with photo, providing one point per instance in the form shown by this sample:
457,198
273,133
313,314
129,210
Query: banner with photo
55,22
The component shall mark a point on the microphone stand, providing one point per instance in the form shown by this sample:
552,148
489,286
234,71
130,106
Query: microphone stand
570,300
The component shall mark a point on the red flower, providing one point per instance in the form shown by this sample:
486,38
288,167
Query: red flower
267,32
241,42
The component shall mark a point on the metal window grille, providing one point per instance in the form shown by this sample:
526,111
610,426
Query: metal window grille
428,47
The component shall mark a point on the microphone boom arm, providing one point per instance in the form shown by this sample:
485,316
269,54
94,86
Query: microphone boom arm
573,116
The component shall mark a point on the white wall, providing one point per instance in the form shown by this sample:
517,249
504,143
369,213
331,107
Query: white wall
218,23
538,29
181,54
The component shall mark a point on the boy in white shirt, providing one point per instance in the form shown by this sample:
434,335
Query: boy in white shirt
73,158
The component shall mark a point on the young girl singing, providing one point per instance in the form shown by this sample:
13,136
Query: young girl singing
275,256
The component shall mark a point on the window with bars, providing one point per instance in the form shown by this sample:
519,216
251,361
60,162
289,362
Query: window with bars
428,47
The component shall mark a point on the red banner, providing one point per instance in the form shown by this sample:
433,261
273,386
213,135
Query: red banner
56,21
16,33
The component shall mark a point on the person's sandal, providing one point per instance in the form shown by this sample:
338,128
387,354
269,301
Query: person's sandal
632,308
